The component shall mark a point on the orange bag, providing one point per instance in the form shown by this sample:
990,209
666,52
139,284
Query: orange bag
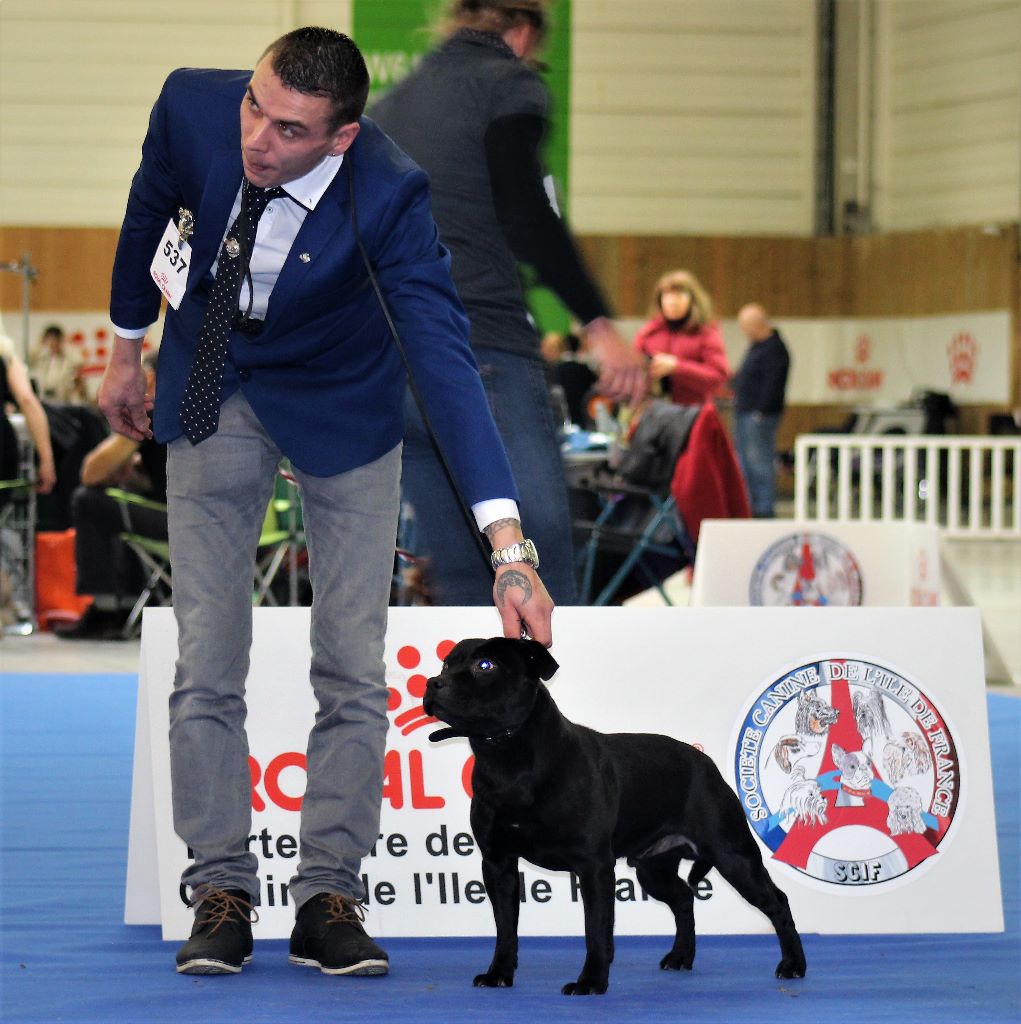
55,599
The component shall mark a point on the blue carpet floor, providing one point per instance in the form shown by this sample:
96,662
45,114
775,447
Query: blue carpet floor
65,756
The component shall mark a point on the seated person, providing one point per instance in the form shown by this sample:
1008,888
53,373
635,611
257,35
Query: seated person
577,378
16,394
56,367
107,569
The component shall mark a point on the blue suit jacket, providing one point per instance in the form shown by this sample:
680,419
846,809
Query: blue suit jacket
323,376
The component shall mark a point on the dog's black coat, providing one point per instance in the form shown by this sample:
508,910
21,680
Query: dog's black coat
569,798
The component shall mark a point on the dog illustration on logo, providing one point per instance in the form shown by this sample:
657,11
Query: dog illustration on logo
870,717
905,812
907,756
856,776
803,799
811,724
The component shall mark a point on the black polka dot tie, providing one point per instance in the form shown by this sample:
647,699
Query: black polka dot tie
200,407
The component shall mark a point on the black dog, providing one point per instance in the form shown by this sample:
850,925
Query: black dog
568,798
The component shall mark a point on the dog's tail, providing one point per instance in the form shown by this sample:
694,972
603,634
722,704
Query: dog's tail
699,870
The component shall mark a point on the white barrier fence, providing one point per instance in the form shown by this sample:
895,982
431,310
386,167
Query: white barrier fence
968,486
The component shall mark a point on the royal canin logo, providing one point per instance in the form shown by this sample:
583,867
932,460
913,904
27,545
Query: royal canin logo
962,355
860,377
281,781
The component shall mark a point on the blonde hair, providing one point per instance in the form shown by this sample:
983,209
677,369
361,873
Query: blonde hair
496,16
685,281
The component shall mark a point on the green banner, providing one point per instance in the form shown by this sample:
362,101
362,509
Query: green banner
393,34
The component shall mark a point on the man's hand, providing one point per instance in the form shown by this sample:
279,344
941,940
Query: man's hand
122,393
622,372
518,593
523,603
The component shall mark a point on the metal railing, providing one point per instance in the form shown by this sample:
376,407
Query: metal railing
969,486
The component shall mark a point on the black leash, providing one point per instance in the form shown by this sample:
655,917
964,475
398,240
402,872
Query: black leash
419,401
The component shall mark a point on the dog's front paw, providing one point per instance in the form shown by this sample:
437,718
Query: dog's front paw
790,968
676,962
493,979
584,988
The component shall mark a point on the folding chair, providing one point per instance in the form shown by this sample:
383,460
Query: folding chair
637,521
637,524
153,553
280,536
17,556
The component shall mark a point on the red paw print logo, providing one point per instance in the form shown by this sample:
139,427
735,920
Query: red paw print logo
410,658
94,346
863,348
962,353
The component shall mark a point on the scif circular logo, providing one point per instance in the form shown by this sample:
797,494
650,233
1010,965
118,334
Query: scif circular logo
848,772
806,569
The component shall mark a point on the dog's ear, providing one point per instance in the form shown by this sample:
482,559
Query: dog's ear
539,658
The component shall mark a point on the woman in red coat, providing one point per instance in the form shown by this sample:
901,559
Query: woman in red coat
683,340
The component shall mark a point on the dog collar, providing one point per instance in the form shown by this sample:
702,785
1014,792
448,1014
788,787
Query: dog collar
500,737
447,733
856,792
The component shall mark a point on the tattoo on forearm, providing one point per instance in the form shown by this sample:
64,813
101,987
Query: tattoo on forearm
499,524
513,578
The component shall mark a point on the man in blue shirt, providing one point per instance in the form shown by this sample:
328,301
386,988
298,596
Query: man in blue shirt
759,387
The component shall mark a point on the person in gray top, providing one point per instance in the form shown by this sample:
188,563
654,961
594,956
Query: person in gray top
473,115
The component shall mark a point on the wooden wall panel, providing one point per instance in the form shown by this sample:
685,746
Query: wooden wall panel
73,263
904,274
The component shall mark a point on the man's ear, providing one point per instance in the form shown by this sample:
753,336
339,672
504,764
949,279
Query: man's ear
539,658
343,137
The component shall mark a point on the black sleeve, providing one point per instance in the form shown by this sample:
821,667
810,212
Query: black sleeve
536,235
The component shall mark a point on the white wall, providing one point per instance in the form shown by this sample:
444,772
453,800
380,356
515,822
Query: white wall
693,116
948,112
79,77
688,116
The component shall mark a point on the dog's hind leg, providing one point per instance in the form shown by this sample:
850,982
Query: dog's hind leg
741,865
658,877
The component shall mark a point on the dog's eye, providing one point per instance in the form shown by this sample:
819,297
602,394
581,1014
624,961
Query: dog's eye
484,665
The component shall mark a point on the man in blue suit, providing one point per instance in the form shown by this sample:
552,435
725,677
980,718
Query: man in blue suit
275,345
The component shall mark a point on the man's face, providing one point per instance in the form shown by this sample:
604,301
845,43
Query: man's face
285,133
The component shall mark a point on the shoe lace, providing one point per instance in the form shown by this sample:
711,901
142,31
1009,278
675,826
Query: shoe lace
344,909
219,906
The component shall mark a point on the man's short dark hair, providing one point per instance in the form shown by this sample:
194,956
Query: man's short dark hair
322,62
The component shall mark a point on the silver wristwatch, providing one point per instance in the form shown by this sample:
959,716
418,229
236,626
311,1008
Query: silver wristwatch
523,552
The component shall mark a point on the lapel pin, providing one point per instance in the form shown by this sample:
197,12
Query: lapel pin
304,257
186,225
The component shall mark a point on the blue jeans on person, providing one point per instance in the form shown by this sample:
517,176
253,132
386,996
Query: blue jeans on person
755,434
519,399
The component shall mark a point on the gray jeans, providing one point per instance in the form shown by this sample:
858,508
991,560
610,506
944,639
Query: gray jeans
217,493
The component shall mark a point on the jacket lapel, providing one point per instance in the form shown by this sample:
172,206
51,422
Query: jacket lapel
222,184
321,226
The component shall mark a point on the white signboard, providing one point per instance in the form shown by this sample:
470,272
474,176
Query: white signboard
786,563
733,681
